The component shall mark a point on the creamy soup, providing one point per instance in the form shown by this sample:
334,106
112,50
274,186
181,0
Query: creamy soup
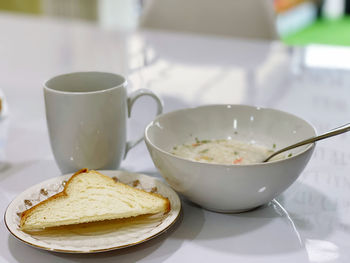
223,151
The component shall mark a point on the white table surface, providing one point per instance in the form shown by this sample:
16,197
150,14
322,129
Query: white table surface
310,222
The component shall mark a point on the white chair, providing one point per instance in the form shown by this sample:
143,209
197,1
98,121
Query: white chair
237,18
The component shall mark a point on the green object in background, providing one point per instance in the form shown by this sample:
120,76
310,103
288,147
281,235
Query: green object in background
323,31
24,6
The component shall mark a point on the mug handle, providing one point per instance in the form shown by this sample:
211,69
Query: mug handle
131,100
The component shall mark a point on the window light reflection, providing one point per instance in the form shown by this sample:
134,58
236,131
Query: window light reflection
323,56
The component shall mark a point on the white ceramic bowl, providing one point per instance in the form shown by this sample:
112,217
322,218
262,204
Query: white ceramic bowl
229,188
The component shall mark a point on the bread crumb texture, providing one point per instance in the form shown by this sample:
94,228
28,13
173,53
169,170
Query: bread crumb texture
90,196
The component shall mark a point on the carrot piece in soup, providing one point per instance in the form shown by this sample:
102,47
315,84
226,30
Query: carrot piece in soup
239,160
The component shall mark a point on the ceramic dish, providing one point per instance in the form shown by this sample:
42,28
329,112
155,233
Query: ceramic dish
229,188
93,237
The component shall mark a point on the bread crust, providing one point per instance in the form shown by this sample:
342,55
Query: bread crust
25,214
141,190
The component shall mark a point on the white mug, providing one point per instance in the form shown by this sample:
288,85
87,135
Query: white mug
86,116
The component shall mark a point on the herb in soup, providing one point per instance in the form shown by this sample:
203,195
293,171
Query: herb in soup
222,151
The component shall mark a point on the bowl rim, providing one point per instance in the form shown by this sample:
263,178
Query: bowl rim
148,141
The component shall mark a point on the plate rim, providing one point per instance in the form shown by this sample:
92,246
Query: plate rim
94,250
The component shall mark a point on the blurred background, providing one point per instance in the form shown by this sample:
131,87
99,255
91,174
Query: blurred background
298,22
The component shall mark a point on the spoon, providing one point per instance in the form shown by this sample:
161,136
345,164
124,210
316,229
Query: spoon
334,132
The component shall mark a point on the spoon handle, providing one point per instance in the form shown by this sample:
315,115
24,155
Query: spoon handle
334,132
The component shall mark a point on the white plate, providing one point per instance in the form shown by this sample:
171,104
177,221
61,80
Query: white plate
97,237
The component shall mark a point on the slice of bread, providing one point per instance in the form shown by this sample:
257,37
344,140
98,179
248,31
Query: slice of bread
89,196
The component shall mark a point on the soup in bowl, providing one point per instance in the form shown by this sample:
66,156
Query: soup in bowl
213,154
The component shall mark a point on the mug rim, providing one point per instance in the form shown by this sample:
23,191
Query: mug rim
122,84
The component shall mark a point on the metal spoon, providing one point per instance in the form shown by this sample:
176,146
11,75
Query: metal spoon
334,132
